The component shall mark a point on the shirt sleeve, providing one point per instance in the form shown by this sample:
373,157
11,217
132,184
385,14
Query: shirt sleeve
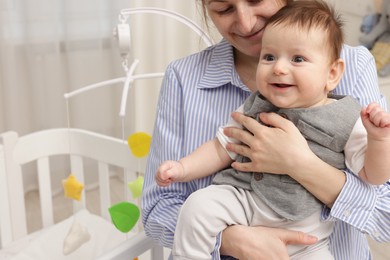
160,206
363,206
223,139
216,255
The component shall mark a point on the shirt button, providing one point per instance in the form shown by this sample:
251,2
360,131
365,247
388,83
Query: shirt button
347,213
283,115
258,176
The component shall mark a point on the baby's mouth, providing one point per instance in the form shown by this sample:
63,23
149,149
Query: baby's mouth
280,85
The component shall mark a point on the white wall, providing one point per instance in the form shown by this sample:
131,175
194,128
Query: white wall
352,12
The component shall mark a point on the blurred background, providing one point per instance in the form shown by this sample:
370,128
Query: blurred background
52,47
49,48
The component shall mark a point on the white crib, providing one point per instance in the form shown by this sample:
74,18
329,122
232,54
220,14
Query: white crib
79,146
40,147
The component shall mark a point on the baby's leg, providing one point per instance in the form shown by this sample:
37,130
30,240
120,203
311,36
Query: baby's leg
203,216
265,216
322,230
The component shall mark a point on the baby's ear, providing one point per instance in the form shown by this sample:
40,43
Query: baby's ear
335,74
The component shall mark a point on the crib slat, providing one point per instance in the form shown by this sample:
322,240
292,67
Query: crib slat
104,184
45,196
77,168
5,214
16,194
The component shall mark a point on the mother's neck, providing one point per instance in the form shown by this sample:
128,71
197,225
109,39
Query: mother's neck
246,68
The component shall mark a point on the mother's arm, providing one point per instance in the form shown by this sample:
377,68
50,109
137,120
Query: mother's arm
282,149
294,156
363,206
160,206
370,213
355,202
360,205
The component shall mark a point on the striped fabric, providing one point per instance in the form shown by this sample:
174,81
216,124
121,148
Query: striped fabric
198,94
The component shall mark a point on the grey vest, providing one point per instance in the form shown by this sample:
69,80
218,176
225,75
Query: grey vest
326,129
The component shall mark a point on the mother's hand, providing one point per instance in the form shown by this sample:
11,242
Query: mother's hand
279,148
247,243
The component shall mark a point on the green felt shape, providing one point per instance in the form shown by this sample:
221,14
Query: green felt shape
124,215
136,187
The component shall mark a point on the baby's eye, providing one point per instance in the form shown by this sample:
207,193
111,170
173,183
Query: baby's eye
298,59
268,57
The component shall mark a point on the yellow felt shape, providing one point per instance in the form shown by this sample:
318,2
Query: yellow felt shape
72,187
136,187
139,144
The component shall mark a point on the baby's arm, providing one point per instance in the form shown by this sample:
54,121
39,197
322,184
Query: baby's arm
376,168
204,161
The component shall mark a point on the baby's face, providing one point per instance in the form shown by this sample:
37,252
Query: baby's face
294,66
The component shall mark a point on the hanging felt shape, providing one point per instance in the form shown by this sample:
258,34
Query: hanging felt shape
136,187
72,187
124,215
77,234
76,237
139,144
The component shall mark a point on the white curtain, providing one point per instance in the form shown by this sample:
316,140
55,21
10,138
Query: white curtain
157,40
47,49
52,47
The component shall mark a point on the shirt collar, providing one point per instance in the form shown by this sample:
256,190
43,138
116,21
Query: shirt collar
221,66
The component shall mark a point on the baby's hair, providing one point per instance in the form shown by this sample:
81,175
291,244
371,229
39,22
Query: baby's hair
308,14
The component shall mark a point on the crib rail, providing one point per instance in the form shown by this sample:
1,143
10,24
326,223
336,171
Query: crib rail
134,247
40,147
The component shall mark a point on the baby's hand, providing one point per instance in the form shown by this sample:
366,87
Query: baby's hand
376,121
168,172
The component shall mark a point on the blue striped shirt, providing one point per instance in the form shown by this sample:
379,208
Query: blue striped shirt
198,94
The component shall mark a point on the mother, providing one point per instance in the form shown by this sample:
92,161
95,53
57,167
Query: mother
198,94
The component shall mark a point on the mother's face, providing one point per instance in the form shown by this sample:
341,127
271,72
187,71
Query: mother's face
241,22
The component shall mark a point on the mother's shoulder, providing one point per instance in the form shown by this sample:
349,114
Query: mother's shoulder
355,53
